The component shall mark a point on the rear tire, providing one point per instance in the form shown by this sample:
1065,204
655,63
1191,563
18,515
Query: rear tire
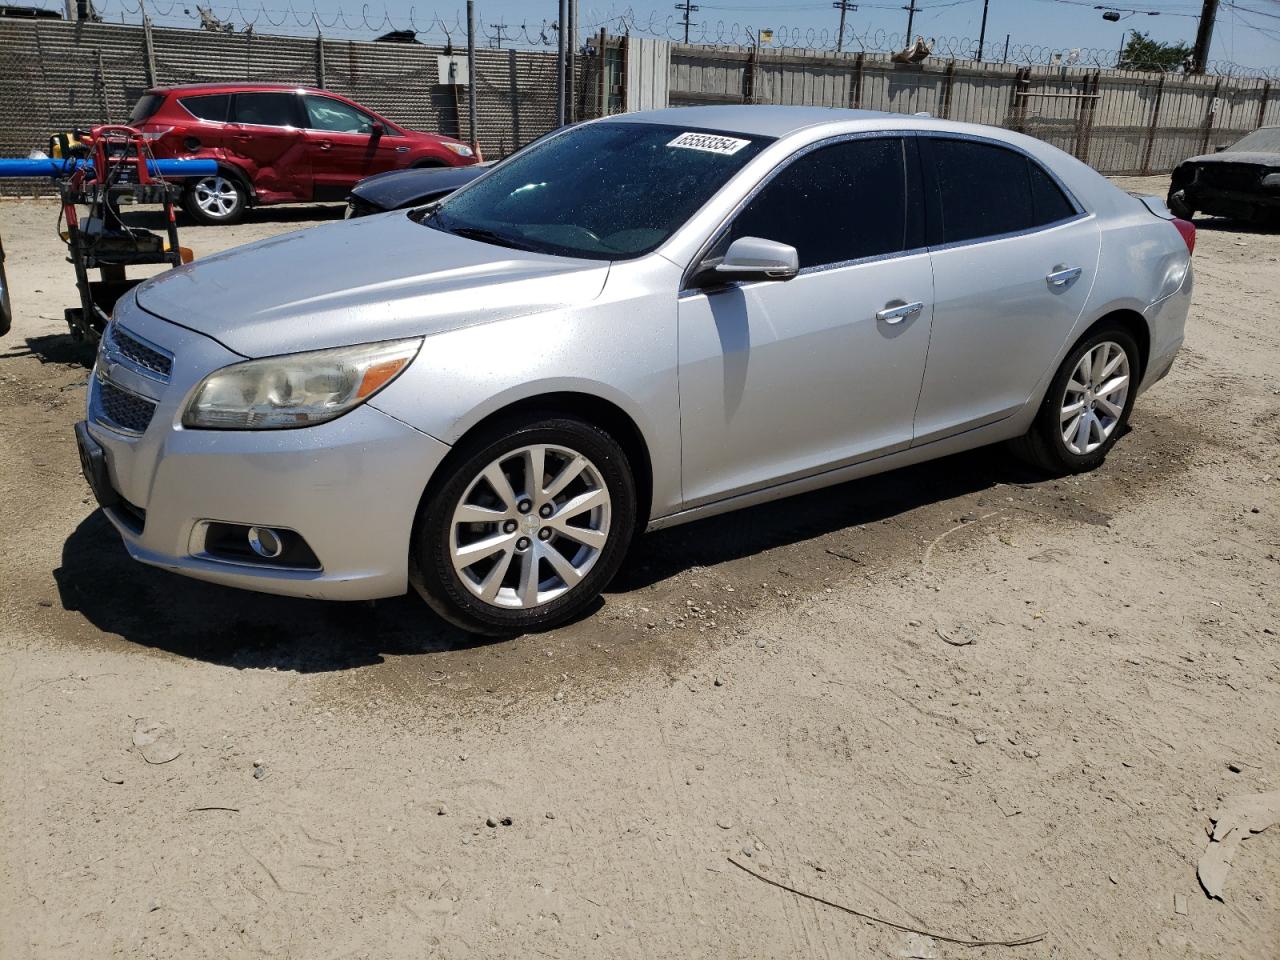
218,200
1086,406
525,527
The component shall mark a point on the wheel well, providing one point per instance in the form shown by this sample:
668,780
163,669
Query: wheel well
1134,324
232,172
595,410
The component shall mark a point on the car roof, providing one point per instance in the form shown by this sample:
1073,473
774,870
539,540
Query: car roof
230,87
761,120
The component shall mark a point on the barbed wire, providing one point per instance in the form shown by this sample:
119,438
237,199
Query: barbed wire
247,16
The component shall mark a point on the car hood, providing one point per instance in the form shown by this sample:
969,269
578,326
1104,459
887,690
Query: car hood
395,188
1244,156
356,281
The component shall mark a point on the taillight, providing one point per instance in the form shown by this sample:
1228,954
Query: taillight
1188,231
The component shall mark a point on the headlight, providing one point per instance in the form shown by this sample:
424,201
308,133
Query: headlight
1271,180
296,390
461,149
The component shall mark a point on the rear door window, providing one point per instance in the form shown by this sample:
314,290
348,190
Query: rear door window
267,109
843,202
984,190
212,106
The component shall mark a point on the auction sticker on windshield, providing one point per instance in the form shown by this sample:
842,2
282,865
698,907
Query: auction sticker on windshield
708,143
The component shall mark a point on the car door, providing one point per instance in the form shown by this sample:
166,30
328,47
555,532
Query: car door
345,144
779,380
265,139
1014,260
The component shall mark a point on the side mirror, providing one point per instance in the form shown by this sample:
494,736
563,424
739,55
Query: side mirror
376,130
751,258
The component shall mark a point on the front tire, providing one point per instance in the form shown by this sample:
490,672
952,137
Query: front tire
1178,205
218,200
1087,405
527,526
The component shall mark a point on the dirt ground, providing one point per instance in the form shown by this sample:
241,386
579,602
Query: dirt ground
773,686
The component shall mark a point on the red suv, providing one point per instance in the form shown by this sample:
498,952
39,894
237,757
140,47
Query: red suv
276,143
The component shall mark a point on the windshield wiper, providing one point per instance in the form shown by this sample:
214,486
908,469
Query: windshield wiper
436,218
488,236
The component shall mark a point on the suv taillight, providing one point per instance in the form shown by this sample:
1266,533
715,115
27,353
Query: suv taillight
1188,231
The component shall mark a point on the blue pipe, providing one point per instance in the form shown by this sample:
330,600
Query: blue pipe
57,169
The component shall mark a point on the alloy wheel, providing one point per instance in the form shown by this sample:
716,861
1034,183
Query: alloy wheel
530,526
217,197
1095,397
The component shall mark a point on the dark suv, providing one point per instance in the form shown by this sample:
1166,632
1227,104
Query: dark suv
276,143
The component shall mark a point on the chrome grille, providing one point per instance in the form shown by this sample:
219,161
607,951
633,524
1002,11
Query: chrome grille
122,409
131,348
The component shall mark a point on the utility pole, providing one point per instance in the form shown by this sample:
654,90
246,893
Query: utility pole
1204,36
844,6
571,65
560,60
471,71
688,8
500,27
911,19
982,33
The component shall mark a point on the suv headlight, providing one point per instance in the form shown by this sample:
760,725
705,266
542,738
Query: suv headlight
1271,179
461,149
298,389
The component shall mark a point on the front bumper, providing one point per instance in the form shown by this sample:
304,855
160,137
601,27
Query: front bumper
350,487
1238,204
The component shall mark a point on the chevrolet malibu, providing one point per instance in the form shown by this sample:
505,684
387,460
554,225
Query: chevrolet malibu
635,323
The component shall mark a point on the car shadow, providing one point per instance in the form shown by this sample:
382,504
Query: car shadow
1230,225
236,628
784,522
59,348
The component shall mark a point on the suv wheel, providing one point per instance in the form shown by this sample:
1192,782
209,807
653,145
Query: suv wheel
1087,405
530,523
215,200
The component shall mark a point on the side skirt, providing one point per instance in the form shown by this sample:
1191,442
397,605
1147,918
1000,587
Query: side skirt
1006,429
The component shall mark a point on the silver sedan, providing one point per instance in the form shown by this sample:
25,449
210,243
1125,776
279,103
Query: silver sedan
634,323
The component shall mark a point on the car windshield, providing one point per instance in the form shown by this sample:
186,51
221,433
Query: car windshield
604,191
1266,140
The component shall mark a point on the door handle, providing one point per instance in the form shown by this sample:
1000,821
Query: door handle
896,313
326,144
1061,276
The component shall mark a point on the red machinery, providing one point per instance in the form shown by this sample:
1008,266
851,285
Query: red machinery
122,166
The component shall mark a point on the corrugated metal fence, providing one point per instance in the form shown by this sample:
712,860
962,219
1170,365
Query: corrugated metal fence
1118,121
56,75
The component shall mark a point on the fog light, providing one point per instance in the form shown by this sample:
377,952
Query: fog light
265,542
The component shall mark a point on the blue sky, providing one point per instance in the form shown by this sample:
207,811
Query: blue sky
1248,31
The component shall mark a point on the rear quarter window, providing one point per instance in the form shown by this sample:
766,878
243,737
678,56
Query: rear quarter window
147,105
